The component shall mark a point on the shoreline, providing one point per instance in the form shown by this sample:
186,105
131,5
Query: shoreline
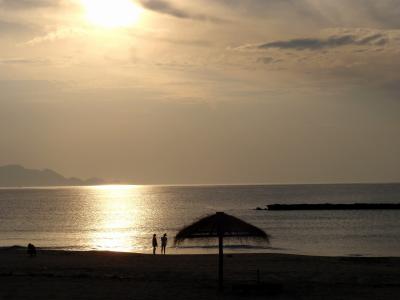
60,274
205,250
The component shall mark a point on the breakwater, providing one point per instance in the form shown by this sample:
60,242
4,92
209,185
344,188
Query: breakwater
329,206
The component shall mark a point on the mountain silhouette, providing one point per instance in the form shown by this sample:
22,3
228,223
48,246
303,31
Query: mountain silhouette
18,176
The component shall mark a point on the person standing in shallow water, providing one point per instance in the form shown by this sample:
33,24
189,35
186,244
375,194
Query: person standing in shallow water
154,244
164,241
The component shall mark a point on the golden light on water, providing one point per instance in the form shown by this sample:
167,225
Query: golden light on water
115,189
119,216
111,13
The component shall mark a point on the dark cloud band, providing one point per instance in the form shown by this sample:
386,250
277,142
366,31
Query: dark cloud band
331,42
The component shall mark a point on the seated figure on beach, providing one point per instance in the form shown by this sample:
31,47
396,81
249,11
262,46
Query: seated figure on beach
164,241
154,244
31,250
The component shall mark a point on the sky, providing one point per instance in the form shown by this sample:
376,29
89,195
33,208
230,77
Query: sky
202,91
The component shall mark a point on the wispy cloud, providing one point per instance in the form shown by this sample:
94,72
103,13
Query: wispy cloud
24,61
55,35
164,7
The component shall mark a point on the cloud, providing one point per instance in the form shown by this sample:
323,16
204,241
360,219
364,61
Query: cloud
23,61
330,42
164,7
55,35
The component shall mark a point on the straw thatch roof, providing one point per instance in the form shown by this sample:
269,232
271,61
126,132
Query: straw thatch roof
221,224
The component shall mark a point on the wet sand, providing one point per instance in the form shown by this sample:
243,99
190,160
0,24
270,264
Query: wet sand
107,275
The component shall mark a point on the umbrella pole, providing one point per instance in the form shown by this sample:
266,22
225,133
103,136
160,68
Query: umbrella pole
221,263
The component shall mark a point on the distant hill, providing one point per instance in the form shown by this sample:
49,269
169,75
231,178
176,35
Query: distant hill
18,176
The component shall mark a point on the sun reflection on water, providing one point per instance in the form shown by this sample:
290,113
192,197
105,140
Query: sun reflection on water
117,215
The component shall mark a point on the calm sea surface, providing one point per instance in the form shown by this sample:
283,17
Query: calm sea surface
123,218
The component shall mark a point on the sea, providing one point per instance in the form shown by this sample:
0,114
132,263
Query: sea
125,217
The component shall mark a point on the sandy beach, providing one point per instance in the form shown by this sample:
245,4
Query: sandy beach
107,275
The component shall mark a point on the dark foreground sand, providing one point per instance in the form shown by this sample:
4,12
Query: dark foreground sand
105,275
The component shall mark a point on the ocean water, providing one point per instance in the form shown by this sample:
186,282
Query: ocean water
124,218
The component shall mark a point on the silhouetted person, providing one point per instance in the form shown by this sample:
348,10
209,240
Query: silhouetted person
31,250
164,241
154,244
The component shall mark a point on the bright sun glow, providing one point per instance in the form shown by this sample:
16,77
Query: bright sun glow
111,13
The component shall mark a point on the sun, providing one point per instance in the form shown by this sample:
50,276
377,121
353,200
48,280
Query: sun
111,13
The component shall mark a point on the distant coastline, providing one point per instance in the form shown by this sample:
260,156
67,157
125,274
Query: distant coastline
19,176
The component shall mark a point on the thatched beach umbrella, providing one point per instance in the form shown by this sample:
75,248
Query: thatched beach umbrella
222,226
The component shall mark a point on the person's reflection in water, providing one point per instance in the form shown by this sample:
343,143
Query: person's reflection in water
154,244
164,241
